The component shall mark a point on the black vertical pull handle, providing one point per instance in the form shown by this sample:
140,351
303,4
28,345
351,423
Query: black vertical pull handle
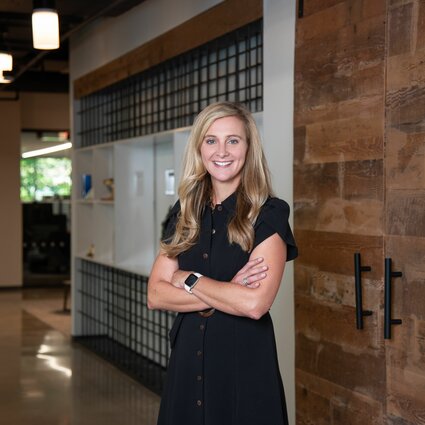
358,269
388,321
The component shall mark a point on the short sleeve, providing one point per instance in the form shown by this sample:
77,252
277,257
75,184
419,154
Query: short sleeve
169,224
273,218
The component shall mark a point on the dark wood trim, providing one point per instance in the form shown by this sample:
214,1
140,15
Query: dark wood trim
215,22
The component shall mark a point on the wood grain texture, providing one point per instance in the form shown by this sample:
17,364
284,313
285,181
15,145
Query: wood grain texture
405,109
215,22
333,323
348,139
359,175
405,160
334,403
400,29
361,372
342,65
405,212
333,252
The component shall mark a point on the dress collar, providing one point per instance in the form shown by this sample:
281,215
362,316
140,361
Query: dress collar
230,203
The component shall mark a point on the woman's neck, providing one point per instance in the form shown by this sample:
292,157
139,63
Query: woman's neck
219,194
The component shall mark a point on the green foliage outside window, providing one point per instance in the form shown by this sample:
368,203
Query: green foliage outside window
45,177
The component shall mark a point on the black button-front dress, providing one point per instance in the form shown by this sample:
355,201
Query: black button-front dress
223,369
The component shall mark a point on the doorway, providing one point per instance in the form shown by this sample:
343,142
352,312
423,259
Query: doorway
46,207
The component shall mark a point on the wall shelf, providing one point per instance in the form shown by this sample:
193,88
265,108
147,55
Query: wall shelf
124,232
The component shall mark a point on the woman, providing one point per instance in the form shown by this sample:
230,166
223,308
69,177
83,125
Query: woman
220,267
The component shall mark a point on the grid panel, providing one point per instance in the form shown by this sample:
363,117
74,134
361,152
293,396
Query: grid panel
171,94
117,324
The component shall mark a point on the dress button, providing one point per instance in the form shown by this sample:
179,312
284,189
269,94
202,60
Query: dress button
199,403
199,378
199,353
201,327
219,207
205,255
213,231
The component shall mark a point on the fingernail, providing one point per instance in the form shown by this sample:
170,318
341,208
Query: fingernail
260,259
264,267
263,275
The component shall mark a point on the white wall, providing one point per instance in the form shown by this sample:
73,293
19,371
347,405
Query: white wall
279,49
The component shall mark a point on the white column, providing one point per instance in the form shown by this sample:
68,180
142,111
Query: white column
279,49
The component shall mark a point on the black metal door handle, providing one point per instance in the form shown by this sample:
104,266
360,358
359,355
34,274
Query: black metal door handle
358,269
387,306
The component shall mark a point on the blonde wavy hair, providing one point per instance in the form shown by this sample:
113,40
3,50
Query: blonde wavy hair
195,187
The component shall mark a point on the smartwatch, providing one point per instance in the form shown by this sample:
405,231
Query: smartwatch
191,281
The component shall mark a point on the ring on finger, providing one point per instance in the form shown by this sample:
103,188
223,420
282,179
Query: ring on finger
245,281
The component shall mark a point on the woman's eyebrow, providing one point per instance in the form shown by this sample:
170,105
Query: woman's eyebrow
229,135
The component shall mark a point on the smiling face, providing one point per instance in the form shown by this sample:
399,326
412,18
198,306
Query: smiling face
223,153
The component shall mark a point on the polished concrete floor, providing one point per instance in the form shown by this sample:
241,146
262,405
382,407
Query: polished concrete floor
46,379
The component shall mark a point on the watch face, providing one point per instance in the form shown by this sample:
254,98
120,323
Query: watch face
191,280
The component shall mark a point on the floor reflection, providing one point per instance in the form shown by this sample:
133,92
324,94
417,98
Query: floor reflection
46,379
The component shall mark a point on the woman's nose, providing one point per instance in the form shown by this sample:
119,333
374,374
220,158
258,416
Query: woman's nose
222,150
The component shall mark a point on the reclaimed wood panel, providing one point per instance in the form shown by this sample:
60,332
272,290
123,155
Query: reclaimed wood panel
362,372
333,252
400,29
408,254
213,23
405,109
336,289
342,65
420,25
348,139
330,111
405,212
403,69
339,192
333,403
336,324
405,160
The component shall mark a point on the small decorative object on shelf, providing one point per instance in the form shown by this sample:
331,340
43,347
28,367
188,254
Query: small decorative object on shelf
90,252
109,183
86,187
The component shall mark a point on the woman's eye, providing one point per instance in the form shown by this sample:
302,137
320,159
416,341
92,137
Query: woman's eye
209,141
233,141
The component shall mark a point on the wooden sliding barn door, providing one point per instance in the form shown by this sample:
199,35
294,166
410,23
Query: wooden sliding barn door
359,187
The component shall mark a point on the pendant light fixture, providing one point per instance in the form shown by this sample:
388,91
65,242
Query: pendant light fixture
6,61
45,25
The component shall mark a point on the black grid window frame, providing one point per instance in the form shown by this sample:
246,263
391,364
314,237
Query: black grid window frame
170,95
117,325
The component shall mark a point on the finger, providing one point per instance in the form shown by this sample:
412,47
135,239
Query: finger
257,270
250,264
257,277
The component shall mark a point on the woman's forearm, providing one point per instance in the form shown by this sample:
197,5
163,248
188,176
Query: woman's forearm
164,296
229,297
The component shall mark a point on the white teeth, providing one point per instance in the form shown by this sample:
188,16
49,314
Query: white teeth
222,164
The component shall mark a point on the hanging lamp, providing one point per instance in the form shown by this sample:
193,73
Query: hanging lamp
6,61
45,25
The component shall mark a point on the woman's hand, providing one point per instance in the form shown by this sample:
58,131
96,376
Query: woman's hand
251,273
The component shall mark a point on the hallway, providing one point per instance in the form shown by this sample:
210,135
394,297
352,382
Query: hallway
46,379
